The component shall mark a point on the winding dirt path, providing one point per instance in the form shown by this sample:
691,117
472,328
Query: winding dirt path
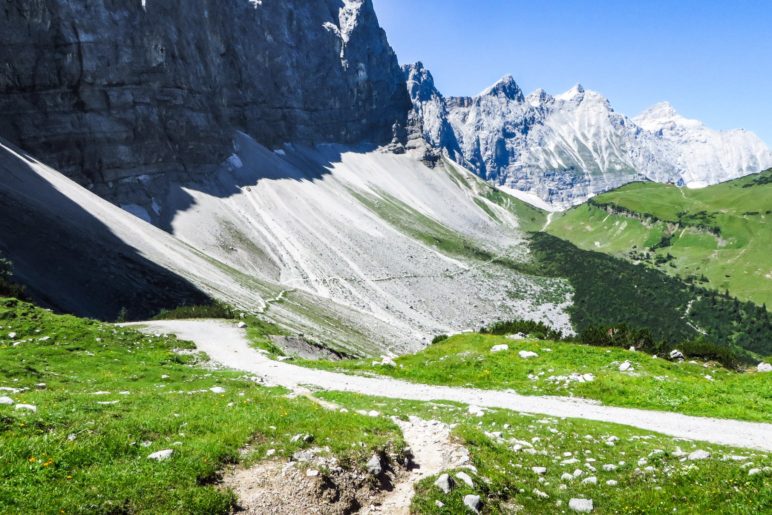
228,345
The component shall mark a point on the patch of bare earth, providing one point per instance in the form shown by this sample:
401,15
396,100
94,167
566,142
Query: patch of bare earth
313,483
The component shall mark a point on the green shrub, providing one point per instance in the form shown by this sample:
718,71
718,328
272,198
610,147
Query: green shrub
439,338
213,310
8,288
529,327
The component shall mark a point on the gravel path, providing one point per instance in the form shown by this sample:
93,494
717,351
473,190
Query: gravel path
228,345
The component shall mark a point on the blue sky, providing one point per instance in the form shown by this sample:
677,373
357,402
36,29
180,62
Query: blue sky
711,59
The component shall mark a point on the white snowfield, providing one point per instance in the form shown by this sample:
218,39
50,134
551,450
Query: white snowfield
228,345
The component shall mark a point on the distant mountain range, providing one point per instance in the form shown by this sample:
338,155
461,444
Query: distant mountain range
566,148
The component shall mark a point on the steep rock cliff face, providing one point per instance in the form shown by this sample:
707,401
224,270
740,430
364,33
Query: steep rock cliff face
113,89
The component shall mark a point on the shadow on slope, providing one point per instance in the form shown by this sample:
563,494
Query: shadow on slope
70,260
298,163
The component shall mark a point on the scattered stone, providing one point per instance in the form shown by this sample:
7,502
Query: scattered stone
566,477
217,389
464,478
539,470
764,367
312,473
754,472
500,348
624,367
581,505
609,468
578,472
11,336
592,480
374,466
41,386
709,377
27,407
241,325
302,437
472,502
699,455
612,482
161,455
541,495
444,483
476,411
526,354
676,354
270,452
6,401
439,504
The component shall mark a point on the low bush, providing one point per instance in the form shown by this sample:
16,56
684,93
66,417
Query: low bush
213,310
529,327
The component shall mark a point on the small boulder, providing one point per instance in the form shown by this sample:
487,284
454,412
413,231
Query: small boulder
11,336
26,407
242,325
754,472
464,478
526,354
539,470
592,480
676,355
698,455
161,455
580,505
500,348
473,502
6,401
217,389
445,483
612,482
764,367
624,367
374,466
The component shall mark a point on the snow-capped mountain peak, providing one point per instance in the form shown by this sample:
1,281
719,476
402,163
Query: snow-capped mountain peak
507,88
572,146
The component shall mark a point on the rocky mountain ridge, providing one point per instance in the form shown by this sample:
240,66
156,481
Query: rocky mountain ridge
108,91
569,147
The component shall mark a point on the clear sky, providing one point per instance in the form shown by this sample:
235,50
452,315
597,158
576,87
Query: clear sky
712,59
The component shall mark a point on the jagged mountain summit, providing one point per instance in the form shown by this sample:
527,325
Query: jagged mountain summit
566,148
702,155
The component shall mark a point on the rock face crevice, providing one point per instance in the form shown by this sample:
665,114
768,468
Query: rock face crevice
108,90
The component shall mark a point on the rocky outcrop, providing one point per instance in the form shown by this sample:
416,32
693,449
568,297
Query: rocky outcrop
112,89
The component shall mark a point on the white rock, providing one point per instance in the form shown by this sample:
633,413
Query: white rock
592,480
6,401
539,470
26,407
699,455
241,325
753,472
12,336
581,505
541,495
588,378
464,478
676,354
578,472
444,483
312,473
566,477
709,377
472,502
624,367
374,466
217,389
526,354
161,455
764,367
612,482
439,504
609,468
270,452
500,348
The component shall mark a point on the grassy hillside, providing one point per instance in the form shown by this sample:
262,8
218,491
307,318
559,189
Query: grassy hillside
644,472
719,236
107,398
655,383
